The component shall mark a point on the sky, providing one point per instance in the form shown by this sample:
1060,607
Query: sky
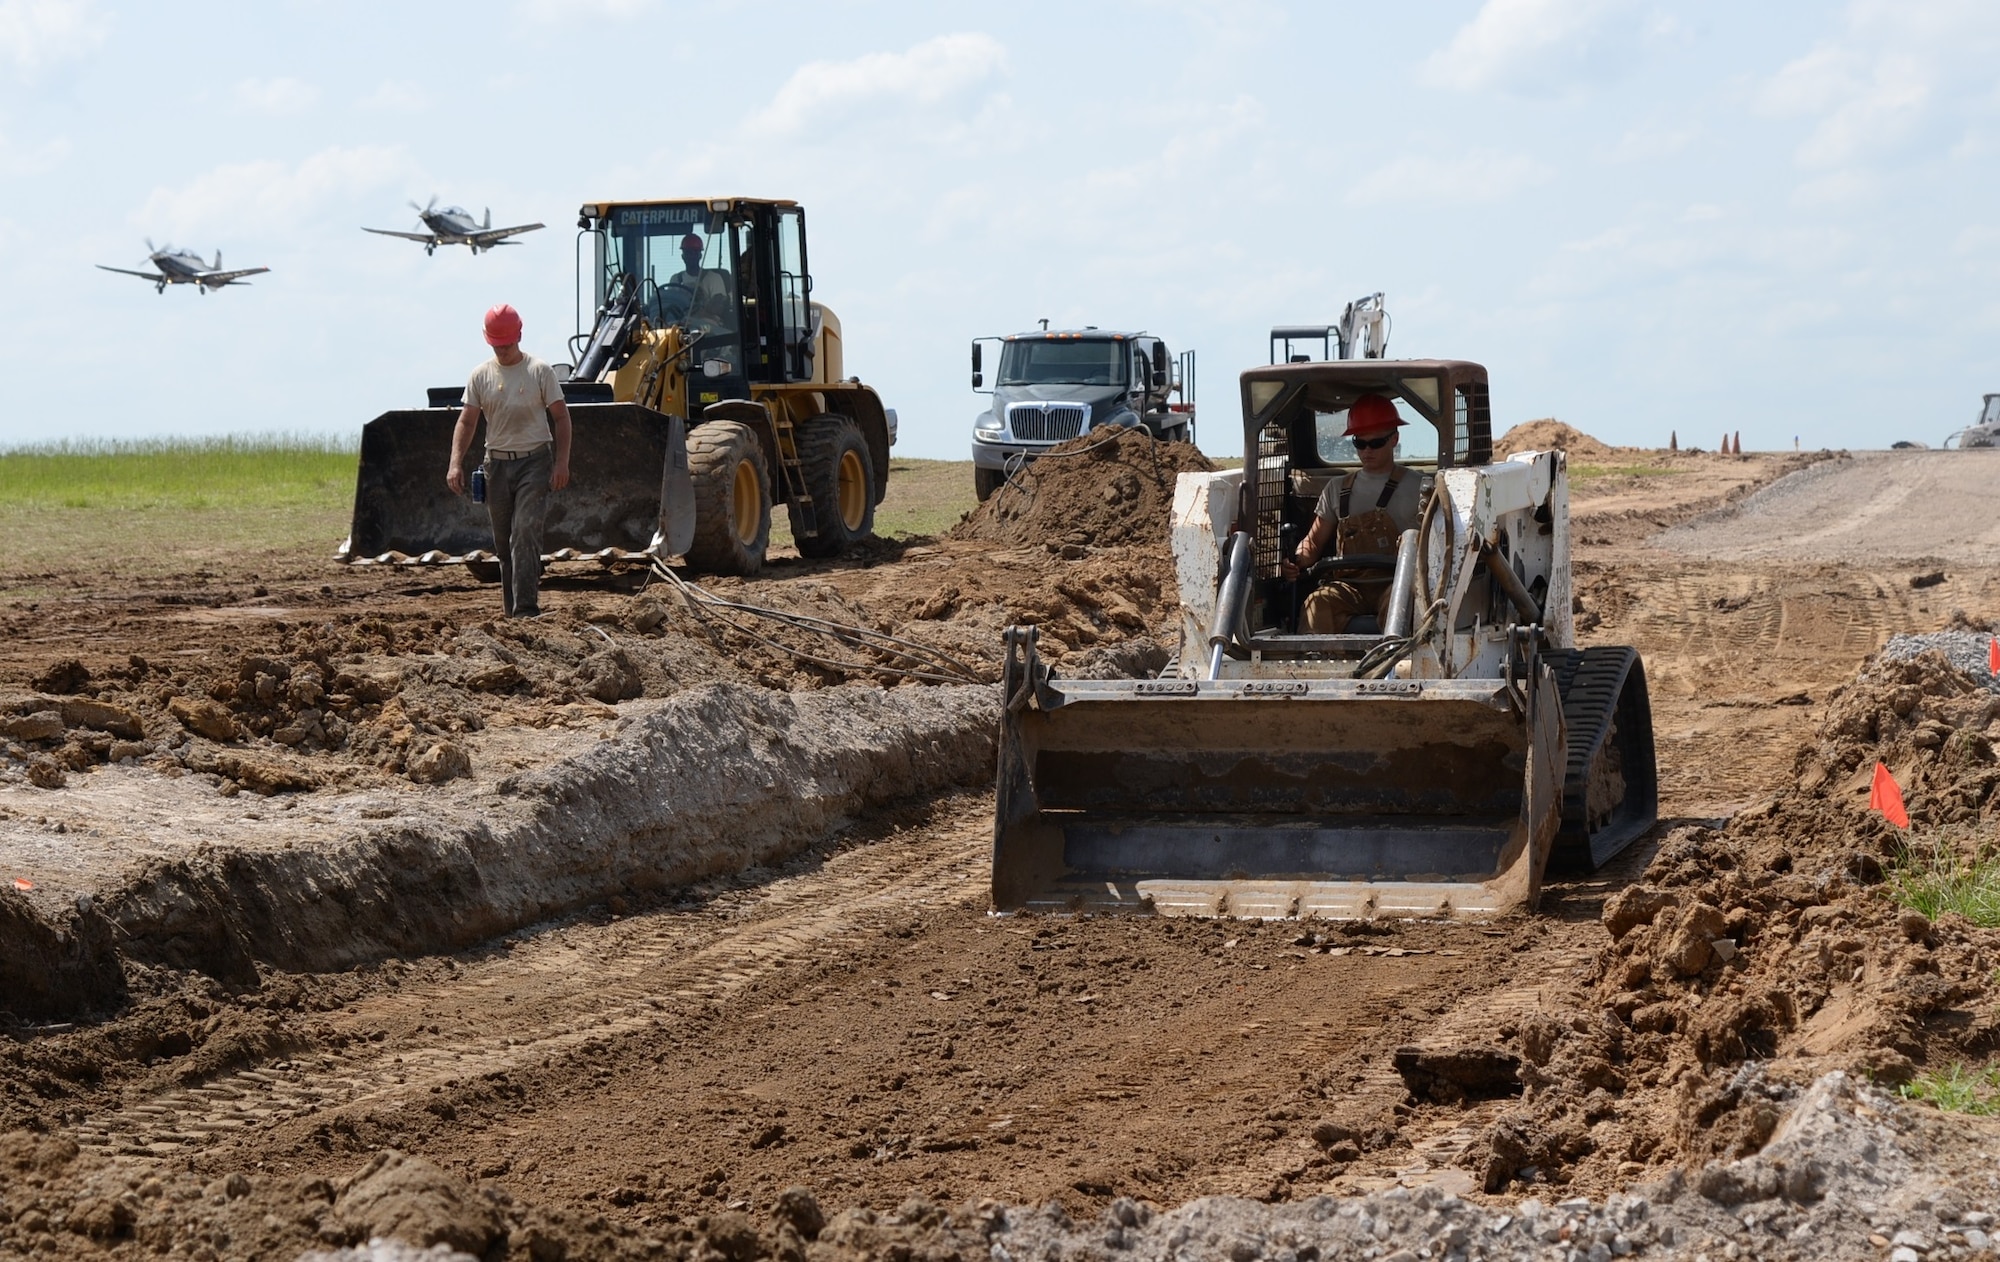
1775,219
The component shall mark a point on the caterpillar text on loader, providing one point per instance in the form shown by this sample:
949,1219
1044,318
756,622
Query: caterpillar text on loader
1429,768
709,387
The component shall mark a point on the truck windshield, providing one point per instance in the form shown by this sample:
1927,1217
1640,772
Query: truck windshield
676,257
1048,362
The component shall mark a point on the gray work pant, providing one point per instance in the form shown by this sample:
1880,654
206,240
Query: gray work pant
517,499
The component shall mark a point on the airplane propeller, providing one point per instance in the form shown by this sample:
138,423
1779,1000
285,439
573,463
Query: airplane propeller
424,210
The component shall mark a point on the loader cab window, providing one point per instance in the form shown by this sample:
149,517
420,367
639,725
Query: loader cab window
1416,441
1062,362
794,293
678,257
686,265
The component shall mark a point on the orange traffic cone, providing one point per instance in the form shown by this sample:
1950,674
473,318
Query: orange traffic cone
1887,797
1993,657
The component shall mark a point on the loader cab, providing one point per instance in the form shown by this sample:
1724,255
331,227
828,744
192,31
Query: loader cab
731,273
1294,415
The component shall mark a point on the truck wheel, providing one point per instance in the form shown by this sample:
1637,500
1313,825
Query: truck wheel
732,498
840,478
987,481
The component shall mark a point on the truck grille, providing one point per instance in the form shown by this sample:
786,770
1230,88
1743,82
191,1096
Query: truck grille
1046,422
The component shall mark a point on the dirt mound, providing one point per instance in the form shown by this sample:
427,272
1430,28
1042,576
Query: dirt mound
1776,941
1092,491
1549,434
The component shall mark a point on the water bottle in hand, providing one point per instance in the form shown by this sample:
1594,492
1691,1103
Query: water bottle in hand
479,485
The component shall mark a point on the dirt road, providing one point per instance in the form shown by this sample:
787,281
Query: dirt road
855,1021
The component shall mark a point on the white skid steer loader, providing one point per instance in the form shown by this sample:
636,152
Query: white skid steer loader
1429,766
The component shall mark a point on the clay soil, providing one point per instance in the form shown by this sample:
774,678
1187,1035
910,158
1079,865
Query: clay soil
647,1076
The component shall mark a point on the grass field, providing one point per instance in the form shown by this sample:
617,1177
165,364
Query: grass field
141,508
237,504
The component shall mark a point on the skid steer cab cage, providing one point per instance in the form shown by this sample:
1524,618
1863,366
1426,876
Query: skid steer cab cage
629,498
1275,798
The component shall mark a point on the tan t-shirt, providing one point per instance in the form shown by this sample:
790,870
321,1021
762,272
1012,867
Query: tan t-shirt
515,402
1403,506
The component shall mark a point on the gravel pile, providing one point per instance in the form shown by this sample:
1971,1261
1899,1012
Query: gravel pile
1969,651
1839,1179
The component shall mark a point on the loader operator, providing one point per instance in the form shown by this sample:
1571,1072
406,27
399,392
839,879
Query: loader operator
698,294
517,394
1366,512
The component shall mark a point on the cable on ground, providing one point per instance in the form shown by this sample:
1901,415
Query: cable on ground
926,663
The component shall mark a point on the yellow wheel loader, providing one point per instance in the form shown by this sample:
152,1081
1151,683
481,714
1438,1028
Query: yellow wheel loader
1429,763
709,387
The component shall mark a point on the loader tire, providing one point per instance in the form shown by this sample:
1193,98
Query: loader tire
840,478
987,481
732,499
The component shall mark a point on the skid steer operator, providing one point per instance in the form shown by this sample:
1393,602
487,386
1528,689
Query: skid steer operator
1366,512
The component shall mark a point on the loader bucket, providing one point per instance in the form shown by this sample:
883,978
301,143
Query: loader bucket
1334,799
629,492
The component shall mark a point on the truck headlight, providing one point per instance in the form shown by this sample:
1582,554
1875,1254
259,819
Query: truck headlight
988,426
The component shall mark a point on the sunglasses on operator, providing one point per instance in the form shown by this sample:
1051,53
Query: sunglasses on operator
1370,444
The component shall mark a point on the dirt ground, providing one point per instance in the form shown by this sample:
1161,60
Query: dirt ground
647,1075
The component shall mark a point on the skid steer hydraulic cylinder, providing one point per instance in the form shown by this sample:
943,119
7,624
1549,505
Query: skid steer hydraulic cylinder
1231,601
1402,589
1510,583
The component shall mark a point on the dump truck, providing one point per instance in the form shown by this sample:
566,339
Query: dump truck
1984,432
708,387
1054,384
1432,765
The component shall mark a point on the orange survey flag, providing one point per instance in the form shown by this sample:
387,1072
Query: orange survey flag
1886,797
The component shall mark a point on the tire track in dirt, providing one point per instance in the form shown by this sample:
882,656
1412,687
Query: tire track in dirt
734,941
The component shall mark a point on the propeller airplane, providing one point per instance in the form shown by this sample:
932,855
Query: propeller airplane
453,225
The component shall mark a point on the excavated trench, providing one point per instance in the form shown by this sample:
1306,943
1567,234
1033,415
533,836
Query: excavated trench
708,782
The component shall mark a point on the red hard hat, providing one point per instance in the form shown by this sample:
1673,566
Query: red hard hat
1371,414
691,242
503,325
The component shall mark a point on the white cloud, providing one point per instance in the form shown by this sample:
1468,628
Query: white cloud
1650,144
276,96
1537,47
1481,176
254,195
396,97
16,161
574,10
36,33
1872,88
927,75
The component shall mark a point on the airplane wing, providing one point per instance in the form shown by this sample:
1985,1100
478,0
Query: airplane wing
492,236
428,238
230,278
155,277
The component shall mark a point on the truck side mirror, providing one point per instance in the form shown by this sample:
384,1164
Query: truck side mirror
1159,365
978,378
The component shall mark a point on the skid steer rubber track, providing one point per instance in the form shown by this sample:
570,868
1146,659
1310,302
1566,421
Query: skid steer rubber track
1611,793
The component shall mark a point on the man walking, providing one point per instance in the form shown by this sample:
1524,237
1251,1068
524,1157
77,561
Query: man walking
517,394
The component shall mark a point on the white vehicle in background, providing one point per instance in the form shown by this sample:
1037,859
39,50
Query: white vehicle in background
1054,384
1985,432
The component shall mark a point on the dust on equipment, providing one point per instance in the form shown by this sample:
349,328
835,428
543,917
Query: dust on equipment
1430,767
709,387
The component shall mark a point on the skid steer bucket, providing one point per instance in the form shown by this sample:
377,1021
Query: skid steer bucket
1322,798
629,494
